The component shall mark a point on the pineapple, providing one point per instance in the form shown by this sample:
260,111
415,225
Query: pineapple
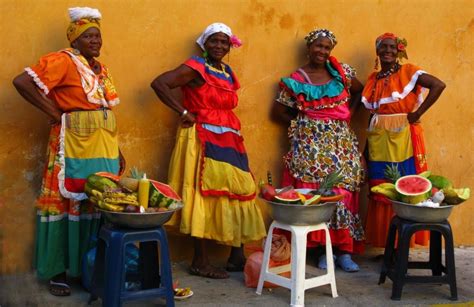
391,172
130,184
330,181
135,173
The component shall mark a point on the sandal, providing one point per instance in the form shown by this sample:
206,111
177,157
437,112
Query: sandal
59,288
209,272
346,263
322,263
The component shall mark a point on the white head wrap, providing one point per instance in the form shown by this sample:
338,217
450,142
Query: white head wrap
212,29
77,13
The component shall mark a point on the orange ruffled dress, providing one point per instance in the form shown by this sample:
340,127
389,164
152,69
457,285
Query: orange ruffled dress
64,227
392,140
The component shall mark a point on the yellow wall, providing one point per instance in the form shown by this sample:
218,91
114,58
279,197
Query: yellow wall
145,38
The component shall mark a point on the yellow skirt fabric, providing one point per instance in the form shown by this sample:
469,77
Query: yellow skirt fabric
227,221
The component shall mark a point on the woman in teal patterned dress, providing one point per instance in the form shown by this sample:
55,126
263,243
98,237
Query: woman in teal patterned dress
316,100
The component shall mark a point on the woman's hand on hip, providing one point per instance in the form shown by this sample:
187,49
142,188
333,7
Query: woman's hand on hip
188,120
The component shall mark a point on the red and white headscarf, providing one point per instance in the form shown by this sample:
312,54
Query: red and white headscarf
401,44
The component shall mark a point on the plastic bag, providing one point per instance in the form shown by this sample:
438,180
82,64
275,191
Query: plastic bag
280,254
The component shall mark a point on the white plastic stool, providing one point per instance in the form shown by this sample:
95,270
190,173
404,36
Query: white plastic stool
298,282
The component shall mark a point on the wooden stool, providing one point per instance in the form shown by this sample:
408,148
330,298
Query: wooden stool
397,271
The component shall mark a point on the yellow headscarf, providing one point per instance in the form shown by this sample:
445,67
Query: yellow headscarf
82,18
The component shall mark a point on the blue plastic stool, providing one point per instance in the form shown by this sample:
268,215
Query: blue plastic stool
108,278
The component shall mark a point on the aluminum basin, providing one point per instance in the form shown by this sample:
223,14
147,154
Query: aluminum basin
139,220
421,214
300,215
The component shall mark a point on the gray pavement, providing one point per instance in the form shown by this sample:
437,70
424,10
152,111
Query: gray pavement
354,289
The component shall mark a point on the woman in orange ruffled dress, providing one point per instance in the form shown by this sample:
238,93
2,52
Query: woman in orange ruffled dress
394,96
77,93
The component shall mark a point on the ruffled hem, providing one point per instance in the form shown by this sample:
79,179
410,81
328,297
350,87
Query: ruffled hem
37,80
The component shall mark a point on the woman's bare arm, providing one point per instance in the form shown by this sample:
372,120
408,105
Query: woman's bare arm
27,88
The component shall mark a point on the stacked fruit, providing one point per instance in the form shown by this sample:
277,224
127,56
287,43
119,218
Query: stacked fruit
423,189
135,194
290,195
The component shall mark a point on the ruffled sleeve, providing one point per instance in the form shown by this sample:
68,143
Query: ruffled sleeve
50,71
400,86
349,72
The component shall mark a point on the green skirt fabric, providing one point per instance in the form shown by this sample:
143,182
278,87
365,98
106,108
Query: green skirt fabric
62,240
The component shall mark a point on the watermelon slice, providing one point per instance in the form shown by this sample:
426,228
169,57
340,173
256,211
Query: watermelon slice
288,197
111,176
413,188
162,195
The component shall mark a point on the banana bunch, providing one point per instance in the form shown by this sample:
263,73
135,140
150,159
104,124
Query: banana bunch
113,201
387,189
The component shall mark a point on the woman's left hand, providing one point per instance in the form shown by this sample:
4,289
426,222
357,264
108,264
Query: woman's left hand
413,117
188,120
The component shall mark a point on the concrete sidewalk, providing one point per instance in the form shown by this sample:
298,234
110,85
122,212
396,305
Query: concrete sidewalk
354,289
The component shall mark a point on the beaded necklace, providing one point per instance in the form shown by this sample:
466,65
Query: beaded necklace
385,76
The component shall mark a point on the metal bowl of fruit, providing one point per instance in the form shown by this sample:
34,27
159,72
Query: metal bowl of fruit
299,214
140,220
421,213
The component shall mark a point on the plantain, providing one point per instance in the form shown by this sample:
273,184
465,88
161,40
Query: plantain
110,207
388,192
97,194
120,201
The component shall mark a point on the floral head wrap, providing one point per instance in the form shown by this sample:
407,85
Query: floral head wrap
216,28
401,44
317,33
82,18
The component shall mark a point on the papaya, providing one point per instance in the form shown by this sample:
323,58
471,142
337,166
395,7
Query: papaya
336,197
440,182
456,196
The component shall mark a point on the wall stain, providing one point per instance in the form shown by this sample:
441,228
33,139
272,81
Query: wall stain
286,21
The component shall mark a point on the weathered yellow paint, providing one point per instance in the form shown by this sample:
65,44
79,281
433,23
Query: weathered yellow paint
145,38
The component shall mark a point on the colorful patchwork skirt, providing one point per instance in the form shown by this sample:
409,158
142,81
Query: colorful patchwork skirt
65,227
222,217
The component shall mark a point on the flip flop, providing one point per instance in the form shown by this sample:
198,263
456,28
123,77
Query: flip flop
59,288
322,263
209,272
346,263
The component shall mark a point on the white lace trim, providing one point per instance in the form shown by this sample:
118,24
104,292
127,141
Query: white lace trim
62,173
396,96
37,80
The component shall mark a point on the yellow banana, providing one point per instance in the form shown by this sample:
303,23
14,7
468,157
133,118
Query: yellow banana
97,194
390,193
387,185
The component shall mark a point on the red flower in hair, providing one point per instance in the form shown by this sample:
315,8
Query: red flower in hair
401,47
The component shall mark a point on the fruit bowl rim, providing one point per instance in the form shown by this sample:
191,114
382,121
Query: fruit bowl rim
180,206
